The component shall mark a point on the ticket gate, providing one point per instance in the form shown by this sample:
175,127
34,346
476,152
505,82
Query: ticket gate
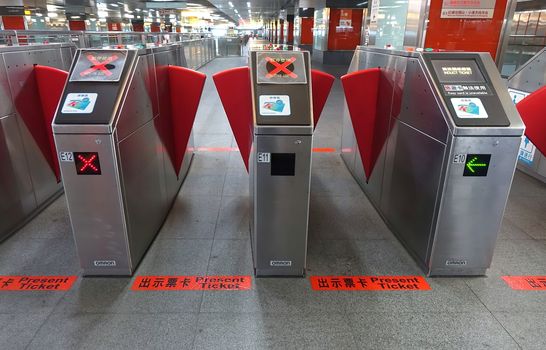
123,133
272,107
529,78
31,83
433,139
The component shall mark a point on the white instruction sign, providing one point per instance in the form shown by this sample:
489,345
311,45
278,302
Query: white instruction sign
526,149
79,103
469,108
274,105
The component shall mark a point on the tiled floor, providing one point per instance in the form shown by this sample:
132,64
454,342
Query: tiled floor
207,233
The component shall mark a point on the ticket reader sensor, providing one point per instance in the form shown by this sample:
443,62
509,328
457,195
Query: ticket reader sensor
272,106
440,155
124,149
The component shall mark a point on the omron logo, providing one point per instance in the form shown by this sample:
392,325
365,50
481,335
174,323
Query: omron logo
455,262
104,263
280,263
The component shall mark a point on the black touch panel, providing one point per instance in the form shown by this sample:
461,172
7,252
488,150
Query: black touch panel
283,164
285,100
93,89
466,89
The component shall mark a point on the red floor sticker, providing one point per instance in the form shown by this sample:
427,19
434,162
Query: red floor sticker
192,283
526,282
369,283
32,283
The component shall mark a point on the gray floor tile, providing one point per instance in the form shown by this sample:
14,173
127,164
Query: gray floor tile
233,221
371,257
510,231
422,330
497,296
270,331
116,331
27,302
527,328
55,256
527,213
176,257
113,295
213,140
275,295
53,222
333,182
17,330
204,182
231,257
235,159
327,160
210,160
521,257
191,217
237,182
345,217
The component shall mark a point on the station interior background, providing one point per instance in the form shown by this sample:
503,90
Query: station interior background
206,232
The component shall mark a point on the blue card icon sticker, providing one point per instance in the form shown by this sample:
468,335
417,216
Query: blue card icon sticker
469,108
274,105
79,103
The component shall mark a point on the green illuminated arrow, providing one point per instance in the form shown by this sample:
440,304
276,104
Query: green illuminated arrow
472,164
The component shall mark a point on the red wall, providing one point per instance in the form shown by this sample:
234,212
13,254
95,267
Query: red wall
290,32
13,22
344,40
113,26
306,33
155,27
464,34
76,25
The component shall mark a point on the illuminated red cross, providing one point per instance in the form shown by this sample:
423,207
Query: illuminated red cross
99,66
88,163
281,67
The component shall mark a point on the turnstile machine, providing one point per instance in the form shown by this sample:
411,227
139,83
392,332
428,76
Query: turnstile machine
434,149
280,161
123,133
31,81
527,79
272,107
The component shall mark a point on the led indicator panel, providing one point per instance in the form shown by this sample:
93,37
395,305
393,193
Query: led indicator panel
87,163
476,164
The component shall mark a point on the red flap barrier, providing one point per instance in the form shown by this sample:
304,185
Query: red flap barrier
233,86
531,110
322,84
361,92
186,87
50,82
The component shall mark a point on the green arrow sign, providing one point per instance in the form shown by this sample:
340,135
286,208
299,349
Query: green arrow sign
476,164
472,164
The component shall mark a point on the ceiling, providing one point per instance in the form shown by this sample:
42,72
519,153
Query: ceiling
233,10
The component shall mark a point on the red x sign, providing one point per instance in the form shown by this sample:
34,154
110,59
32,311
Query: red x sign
88,163
99,66
281,67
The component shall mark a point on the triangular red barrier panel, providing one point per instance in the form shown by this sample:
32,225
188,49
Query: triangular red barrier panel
361,92
322,84
531,109
186,87
234,88
50,82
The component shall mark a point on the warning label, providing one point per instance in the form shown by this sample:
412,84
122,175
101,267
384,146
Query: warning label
526,282
143,283
382,283
32,283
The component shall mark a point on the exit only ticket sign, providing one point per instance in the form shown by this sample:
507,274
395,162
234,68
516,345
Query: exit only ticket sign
36,283
156,283
375,283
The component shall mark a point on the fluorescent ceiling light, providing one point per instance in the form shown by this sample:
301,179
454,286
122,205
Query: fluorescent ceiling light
248,4
230,4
